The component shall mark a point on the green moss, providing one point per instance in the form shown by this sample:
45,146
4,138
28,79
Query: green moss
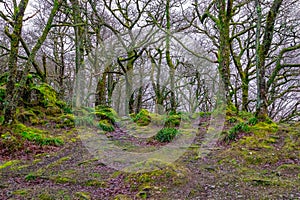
47,95
30,176
232,134
9,163
173,121
166,134
142,118
106,113
27,116
83,195
67,120
93,182
60,179
245,115
2,93
122,197
160,173
36,135
106,125
262,128
21,192
53,111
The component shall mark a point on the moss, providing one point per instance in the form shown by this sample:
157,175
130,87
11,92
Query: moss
46,196
173,121
21,192
262,128
245,115
53,111
161,173
9,163
30,176
60,179
27,116
83,195
2,93
142,118
166,134
122,197
288,167
67,120
106,125
47,95
93,182
36,135
106,113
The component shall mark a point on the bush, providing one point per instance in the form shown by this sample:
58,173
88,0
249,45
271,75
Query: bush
166,134
142,118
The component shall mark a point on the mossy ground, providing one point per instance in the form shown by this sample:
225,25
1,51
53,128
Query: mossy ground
265,159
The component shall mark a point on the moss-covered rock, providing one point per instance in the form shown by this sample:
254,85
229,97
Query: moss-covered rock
173,120
106,125
36,135
27,116
142,118
47,96
106,113
166,134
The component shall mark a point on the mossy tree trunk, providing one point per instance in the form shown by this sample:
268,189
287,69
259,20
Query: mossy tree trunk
10,101
262,51
79,51
156,63
15,89
170,63
224,17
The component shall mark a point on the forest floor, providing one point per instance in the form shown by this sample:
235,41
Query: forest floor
263,166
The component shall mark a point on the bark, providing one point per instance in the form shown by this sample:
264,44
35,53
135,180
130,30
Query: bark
262,53
169,60
10,103
15,92
224,17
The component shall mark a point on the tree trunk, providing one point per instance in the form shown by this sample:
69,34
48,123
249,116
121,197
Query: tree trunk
262,52
225,14
169,60
10,101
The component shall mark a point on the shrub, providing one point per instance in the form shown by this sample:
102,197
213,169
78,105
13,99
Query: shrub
166,134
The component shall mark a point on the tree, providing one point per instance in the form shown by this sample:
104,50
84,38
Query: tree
262,52
14,86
